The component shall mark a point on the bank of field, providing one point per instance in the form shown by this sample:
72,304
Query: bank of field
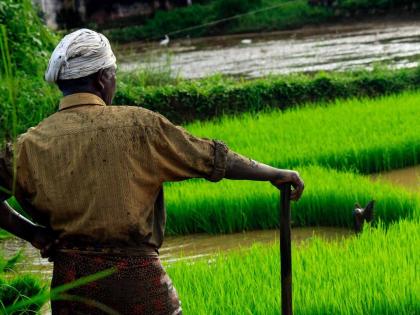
376,273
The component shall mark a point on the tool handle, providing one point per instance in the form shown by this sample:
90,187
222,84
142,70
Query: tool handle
285,251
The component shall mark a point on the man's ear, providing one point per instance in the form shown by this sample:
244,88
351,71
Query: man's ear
100,79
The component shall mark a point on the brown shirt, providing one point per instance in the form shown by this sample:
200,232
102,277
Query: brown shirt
96,172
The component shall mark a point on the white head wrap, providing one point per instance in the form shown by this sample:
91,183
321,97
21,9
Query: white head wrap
79,54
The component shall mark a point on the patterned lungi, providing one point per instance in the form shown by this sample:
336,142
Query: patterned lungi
139,285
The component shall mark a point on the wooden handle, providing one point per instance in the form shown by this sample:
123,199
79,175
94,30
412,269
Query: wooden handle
285,251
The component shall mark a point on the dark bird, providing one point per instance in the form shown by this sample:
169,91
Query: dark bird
360,215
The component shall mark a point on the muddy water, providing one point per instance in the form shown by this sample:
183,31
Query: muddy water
340,48
184,247
408,178
179,248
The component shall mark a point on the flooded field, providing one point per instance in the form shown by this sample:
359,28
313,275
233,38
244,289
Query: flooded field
202,245
408,178
396,44
196,246
184,247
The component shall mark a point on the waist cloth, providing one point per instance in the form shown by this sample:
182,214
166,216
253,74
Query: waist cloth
138,285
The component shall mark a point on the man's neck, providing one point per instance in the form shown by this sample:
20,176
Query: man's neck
80,90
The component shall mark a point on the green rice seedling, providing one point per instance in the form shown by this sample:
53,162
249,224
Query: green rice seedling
18,289
328,200
375,273
368,135
29,297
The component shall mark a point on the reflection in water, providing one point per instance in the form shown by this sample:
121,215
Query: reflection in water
333,48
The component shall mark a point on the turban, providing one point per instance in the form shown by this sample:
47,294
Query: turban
79,54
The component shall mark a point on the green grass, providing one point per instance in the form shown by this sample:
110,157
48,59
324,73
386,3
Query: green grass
376,273
31,42
367,135
184,101
25,294
25,46
19,290
362,135
329,198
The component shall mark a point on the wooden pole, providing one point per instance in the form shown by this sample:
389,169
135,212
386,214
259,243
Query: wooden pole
285,251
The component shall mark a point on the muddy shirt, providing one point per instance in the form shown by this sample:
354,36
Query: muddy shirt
95,172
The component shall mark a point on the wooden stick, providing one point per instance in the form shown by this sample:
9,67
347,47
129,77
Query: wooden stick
285,251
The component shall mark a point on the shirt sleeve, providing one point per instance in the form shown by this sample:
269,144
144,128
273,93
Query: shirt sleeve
179,155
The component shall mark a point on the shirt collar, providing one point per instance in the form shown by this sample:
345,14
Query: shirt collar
78,99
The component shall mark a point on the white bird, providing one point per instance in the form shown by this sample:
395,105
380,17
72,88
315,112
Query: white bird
246,41
165,41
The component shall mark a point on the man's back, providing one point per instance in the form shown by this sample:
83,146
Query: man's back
97,171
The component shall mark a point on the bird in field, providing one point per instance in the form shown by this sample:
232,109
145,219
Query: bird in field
246,41
360,215
165,41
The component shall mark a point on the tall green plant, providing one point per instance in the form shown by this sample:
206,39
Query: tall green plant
7,76
30,40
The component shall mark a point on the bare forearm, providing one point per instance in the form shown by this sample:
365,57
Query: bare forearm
240,167
18,225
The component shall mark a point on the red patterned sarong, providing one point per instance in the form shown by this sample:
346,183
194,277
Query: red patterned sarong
140,285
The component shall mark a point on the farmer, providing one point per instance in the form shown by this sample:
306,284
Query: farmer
90,176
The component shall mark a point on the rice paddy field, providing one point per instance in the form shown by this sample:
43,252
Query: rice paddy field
333,147
376,273
367,135
328,200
